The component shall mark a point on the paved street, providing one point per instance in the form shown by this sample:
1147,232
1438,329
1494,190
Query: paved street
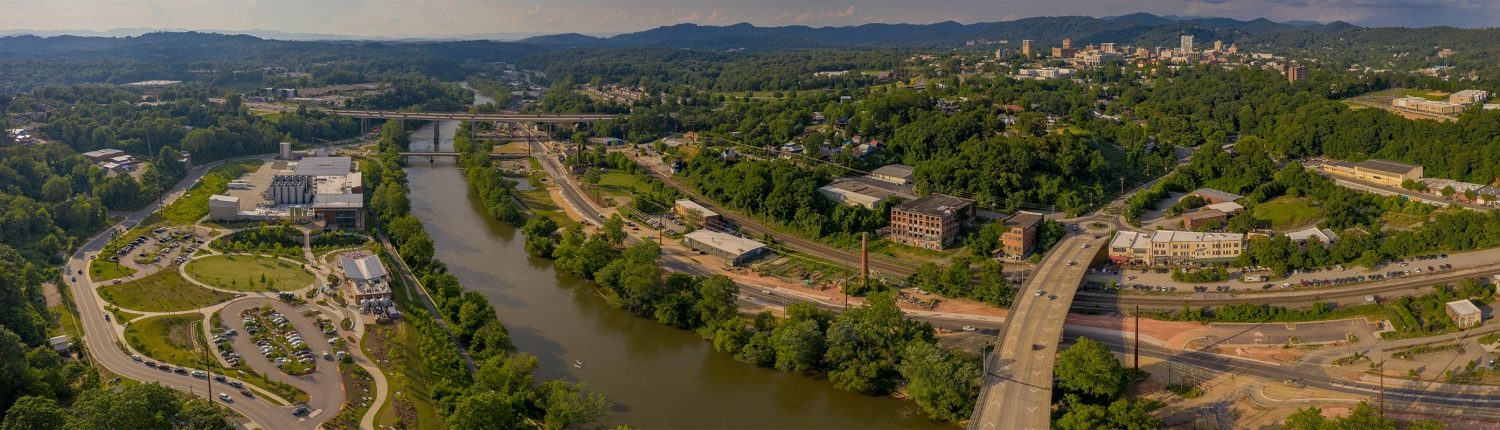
102,342
1017,388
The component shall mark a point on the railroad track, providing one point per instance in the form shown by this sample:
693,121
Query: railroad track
1088,300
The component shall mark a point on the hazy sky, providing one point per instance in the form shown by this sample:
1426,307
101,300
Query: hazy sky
401,18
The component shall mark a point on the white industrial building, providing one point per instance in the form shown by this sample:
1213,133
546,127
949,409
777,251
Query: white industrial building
223,208
734,249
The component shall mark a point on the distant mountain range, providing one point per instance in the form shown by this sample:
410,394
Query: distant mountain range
1138,27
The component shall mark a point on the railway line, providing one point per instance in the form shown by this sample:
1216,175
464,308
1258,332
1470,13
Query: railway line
1405,286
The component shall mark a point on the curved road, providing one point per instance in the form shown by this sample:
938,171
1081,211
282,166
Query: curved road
103,345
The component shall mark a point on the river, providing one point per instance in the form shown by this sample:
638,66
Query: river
656,376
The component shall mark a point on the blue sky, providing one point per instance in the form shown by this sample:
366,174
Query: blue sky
437,18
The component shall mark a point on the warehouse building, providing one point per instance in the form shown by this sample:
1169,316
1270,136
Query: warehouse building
865,191
1464,313
695,215
223,208
931,222
733,249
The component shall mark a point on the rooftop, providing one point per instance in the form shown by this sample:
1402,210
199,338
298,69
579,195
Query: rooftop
1463,307
1212,194
362,268
725,242
1204,214
338,201
103,153
694,206
1130,239
1322,234
223,198
895,170
1024,219
1386,166
935,205
1226,207
324,166
1164,236
872,187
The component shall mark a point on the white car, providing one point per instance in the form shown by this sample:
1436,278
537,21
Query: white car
969,328
225,397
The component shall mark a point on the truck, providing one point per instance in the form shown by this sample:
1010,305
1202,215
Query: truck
1254,278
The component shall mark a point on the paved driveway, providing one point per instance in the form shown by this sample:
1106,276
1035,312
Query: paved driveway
325,387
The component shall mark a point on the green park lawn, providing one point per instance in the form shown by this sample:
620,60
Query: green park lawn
249,273
163,291
1429,95
621,183
1287,212
168,338
104,270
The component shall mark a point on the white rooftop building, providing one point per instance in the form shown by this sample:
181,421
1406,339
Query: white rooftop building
366,277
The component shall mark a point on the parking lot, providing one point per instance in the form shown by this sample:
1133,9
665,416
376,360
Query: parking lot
162,244
275,324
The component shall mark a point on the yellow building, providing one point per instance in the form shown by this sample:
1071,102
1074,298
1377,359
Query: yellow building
1382,172
1177,247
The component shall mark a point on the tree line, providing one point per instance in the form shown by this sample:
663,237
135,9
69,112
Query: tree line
873,349
500,393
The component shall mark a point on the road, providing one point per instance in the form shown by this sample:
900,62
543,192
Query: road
103,346
555,169
1017,388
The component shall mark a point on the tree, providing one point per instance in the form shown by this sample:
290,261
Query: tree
538,231
56,189
1032,123
35,413
614,230
568,404
13,368
1362,417
944,383
1089,368
799,346
486,410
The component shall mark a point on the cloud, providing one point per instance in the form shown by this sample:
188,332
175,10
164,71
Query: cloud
830,17
614,17
536,9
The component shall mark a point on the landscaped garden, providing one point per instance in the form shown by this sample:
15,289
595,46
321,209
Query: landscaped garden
249,273
163,291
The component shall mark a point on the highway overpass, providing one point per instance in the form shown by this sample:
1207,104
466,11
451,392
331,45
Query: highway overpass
1017,389
466,116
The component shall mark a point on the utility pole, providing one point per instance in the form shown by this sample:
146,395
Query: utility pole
1138,338
1382,388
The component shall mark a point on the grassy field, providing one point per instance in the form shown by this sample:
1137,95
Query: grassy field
621,183
193,205
163,291
248,273
122,315
1429,95
168,338
67,323
104,270
1288,212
